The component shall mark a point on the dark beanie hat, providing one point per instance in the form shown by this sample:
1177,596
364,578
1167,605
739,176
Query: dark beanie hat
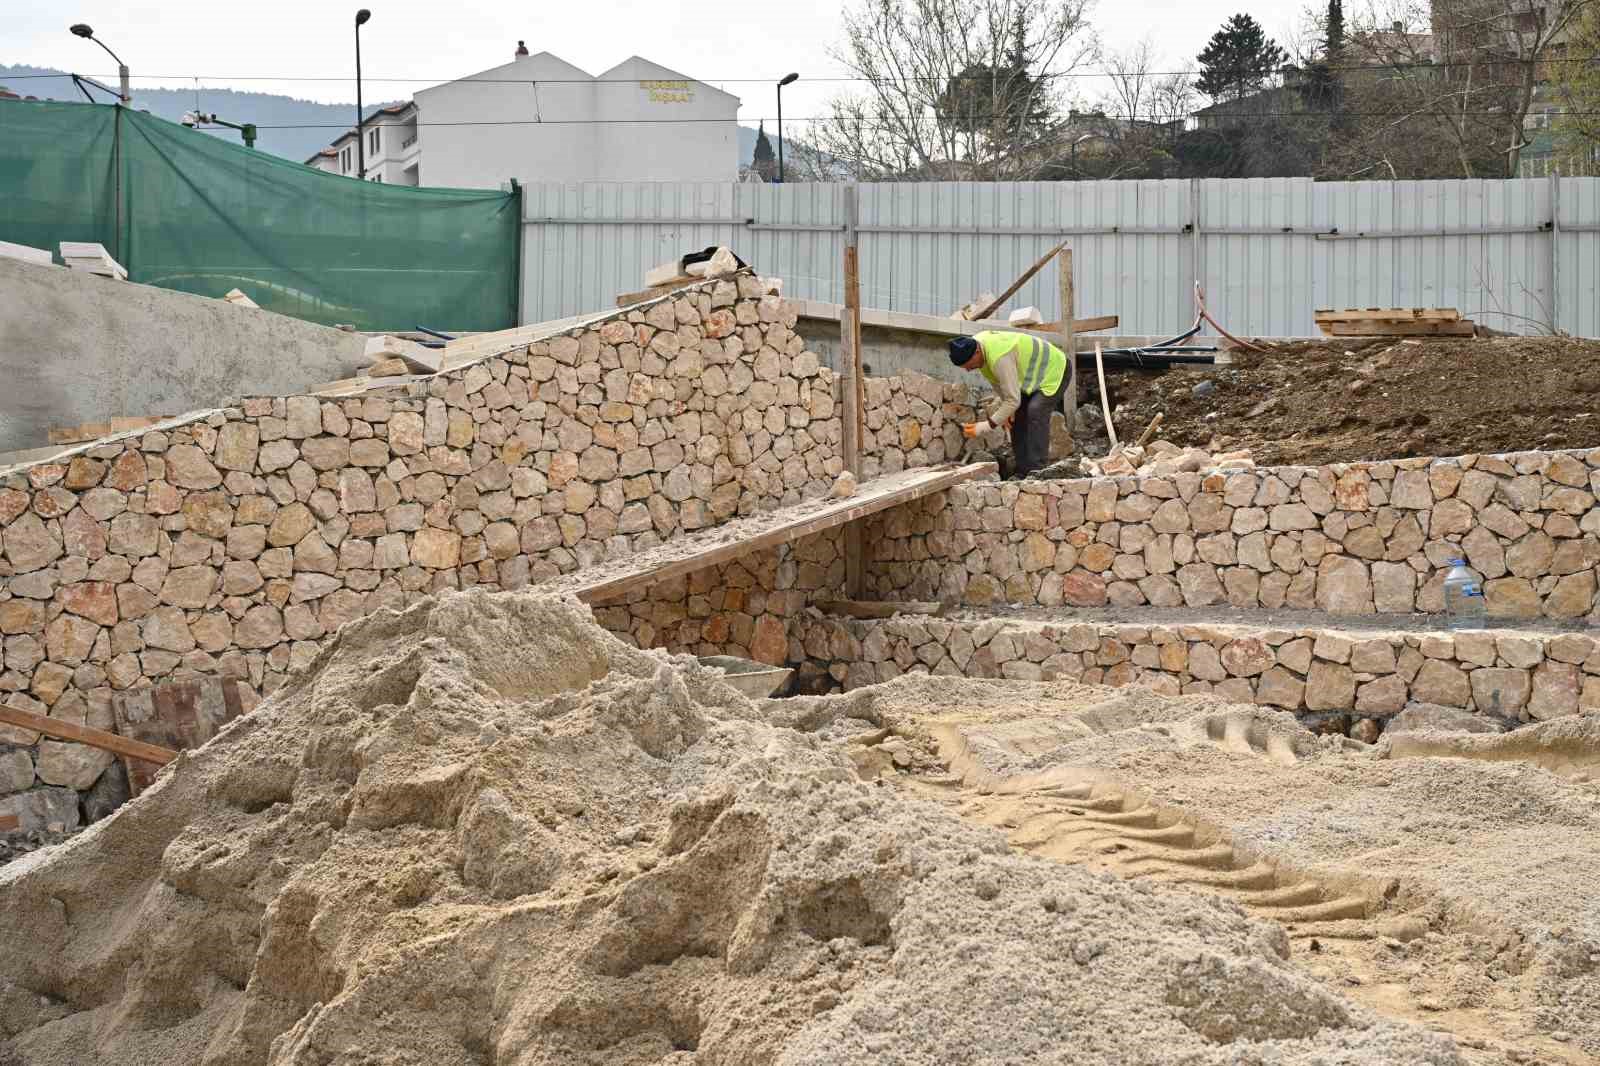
962,349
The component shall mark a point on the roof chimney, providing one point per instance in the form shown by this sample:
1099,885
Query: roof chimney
522,49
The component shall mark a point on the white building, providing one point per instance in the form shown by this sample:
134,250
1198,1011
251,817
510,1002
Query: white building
393,148
539,118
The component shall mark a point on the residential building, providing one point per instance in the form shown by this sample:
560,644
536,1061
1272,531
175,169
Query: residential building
393,148
539,118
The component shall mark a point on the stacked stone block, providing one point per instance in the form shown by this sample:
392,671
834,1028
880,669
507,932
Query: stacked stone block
234,542
1350,675
1357,538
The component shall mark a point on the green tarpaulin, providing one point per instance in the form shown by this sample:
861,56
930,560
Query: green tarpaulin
184,210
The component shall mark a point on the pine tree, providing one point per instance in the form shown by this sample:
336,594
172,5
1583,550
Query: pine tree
1238,60
764,161
1335,31
1006,102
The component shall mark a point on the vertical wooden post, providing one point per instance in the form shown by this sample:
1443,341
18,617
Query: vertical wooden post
1069,343
853,384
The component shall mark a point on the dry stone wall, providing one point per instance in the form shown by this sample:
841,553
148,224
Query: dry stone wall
1351,679
1359,538
233,542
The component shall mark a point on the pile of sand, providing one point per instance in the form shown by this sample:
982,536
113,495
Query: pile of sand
484,831
1443,877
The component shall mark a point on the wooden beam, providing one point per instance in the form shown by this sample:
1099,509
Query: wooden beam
1386,314
1105,404
1079,325
1069,340
10,823
628,299
724,543
95,430
82,734
874,609
1027,275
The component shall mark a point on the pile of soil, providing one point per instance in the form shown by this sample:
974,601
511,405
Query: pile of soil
486,832
1314,403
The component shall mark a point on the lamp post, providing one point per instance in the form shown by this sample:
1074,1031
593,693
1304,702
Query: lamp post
787,79
82,30
361,141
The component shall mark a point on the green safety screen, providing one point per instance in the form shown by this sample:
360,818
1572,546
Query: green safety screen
184,210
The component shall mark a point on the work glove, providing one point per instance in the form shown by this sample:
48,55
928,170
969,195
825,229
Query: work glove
972,429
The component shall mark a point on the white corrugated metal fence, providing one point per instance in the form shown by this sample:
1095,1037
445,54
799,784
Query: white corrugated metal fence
1520,255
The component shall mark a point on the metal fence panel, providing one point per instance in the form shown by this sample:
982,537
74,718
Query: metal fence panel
1267,251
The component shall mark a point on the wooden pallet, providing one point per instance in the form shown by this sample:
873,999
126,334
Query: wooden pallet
1394,322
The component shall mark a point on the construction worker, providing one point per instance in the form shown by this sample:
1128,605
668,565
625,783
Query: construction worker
1026,374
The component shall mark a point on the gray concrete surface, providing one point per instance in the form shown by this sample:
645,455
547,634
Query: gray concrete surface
77,348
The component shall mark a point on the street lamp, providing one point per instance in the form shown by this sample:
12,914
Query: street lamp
787,79
361,142
82,30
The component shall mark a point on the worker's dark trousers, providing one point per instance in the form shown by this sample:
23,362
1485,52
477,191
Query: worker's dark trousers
1030,432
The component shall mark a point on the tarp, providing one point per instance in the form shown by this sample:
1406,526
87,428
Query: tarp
202,215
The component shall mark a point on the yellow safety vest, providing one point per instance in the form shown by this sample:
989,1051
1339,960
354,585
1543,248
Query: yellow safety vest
1041,366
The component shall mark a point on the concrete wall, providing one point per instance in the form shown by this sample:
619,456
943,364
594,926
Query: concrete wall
76,348
1352,538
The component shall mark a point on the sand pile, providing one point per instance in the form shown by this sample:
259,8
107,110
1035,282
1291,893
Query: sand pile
1443,877
484,831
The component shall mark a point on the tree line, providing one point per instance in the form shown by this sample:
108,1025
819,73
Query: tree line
988,90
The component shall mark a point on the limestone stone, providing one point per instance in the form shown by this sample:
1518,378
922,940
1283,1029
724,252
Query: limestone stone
1343,586
30,544
16,771
1555,692
407,433
189,468
1082,589
1383,695
167,628
189,586
1200,584
1296,655
208,514
436,548
290,525
1372,657
1246,657
1205,663
261,627
1441,682
1512,597
1411,490
1572,597
68,639
1394,588
1531,556
94,600
1500,690
75,766
326,453
304,417
1292,516
1278,687
237,446
1330,687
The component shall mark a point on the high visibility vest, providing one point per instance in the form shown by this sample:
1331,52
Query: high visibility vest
1041,366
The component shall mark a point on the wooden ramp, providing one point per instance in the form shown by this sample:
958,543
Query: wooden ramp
744,536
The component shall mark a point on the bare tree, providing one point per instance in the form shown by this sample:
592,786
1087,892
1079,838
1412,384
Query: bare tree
1136,124
1444,89
953,89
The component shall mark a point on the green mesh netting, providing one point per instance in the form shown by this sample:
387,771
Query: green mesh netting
204,216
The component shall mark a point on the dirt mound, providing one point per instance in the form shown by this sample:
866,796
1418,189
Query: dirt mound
484,831
1388,399
1444,878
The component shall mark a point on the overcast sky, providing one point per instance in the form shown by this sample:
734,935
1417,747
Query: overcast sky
286,46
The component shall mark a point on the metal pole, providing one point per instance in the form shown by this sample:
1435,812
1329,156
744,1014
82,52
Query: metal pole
1555,253
122,72
780,133
361,145
1069,340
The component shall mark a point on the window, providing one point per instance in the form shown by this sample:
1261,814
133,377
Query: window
372,141
377,177
344,160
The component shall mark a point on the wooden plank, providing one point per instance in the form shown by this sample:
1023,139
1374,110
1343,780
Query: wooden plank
1000,300
82,734
1069,340
724,544
1079,325
179,715
95,430
1463,328
420,359
1414,314
849,359
10,823
873,609
628,299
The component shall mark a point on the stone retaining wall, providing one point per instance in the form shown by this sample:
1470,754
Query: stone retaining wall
232,542
1355,538
1347,674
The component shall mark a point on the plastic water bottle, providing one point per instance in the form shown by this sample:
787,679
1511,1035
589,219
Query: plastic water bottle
1464,606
